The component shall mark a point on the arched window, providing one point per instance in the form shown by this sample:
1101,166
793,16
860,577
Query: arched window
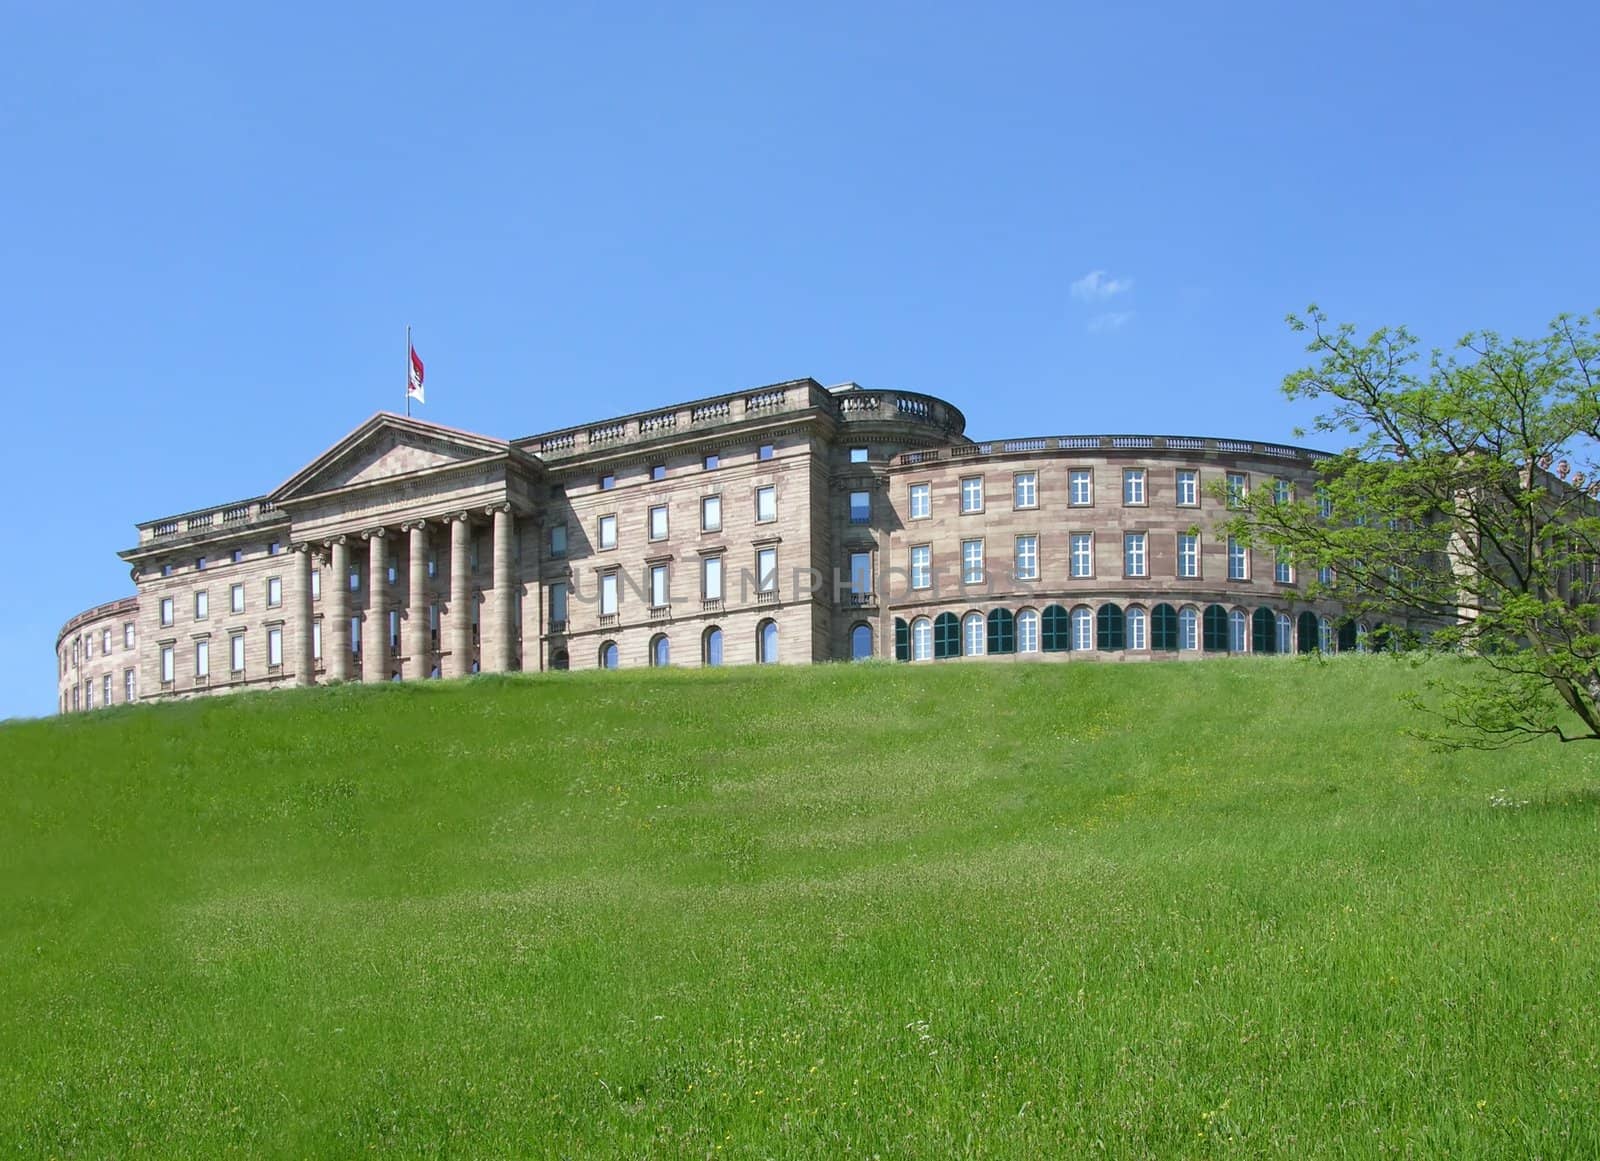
1261,632
1238,631
660,650
1002,631
608,655
1361,636
946,636
1346,636
922,639
1028,631
1082,628
1306,632
1135,619
711,646
1111,628
902,640
767,642
1057,630
1216,629
558,659
861,642
1285,633
972,635
1188,628
1325,635
1163,628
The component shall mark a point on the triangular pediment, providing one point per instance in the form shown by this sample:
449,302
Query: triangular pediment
387,447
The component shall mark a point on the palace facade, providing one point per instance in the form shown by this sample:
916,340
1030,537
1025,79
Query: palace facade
791,523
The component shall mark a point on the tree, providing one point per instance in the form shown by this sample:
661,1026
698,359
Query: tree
1465,512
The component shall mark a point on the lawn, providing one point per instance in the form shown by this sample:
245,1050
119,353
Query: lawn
952,910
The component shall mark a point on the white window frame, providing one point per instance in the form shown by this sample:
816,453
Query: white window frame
766,503
1134,492
1238,560
660,587
275,646
1027,630
1027,556
922,639
711,578
202,658
922,566
972,561
1136,628
971,495
1189,629
766,570
1135,554
1081,627
1188,555
659,525
167,670
1024,490
166,619
236,656
1081,559
974,635
921,501
274,592
1080,488
606,532
202,604
711,513
610,594
1188,487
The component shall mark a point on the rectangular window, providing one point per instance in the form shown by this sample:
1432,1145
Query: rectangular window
858,455
355,631
166,570
1238,488
394,624
972,493
1188,488
1133,486
659,597
1283,571
558,541
316,584
971,562
105,690
1188,554
921,501
275,646
236,652
166,619
274,548
316,640
433,624
1027,558
236,598
608,481
1134,562
608,532
1324,505
766,504
558,603
1082,554
274,592
1237,560
88,694
767,570
236,555
202,605
127,685
861,507
711,578
764,452
391,571
355,578
608,595
1282,492
433,565
711,513
1025,490
710,462
658,472
127,635
658,522
166,664
1324,575
105,643
922,566
861,572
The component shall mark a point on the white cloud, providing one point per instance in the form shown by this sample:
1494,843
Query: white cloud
1096,286
1111,320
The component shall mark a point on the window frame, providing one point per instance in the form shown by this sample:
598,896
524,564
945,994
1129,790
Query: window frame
1135,488
1186,481
1085,476
1073,562
1017,503
1025,570
964,508
602,522
1128,542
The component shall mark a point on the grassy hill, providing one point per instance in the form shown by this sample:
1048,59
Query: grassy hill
966,910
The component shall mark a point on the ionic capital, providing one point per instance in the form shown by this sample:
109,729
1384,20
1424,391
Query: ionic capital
373,534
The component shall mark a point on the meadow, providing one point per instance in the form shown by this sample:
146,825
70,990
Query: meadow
951,910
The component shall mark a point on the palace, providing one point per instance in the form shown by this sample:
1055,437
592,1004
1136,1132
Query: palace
791,523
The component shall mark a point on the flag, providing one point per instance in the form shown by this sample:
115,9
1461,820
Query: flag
414,380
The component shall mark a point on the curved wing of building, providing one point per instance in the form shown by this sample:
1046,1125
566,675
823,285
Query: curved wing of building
791,523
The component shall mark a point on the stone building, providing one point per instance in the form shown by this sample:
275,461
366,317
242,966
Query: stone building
791,523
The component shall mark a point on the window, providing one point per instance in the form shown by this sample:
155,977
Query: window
608,532
1082,628
1027,558
607,482
922,639
1110,628
355,632
1325,635
660,651
199,564
861,507
608,655
972,493
764,452
767,643
275,647
858,455
1002,636
1238,560
1285,634
127,685
1135,627
236,555
1163,628
236,652
608,594
1238,625
861,643
1188,488
433,625
946,636
710,462
971,562
1082,544
711,513
658,522
711,646
355,578
767,570
105,643
1214,629
202,658
861,572
1324,575
274,592
166,665
558,606
1261,632
1282,491
316,584
1324,504
1080,488
127,635
1057,629
711,578
766,503
1025,490
1188,628
921,501
202,605
166,569
972,635
660,598
166,619
1027,631
75,695
558,541
433,565
391,571
1238,488
1283,571
1133,554
236,598
1133,485
658,472
316,639
1188,554
921,566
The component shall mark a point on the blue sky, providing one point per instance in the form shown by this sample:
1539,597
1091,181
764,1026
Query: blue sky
218,219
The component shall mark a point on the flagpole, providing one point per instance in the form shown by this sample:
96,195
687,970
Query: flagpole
408,370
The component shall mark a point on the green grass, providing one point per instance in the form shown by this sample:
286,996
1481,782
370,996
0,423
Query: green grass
954,910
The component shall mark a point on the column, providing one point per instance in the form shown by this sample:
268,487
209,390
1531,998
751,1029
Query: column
419,645
305,666
499,635
459,662
336,626
375,634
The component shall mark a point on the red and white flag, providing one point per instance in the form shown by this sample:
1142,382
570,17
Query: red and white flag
414,380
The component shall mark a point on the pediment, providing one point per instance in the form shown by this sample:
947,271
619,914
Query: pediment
387,447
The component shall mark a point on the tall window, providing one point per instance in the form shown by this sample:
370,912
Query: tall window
1082,628
659,596
127,685
711,513
105,643
972,494
1133,486
1238,560
1188,487
861,643
1080,488
236,653
1325,634
202,659
1111,628
608,594
921,566
1324,575
127,635
275,647
1028,631
767,570
1025,490
608,532
922,639
861,507
711,579
558,541
766,504
1214,629
166,665
660,651
861,572
609,656
767,643
274,592
1188,628
658,522
972,635
355,572
1163,628
166,619
1135,622
1238,627
1282,491
1188,554
1285,633
971,562
1027,558
921,501
316,640
1002,637
1238,487
316,584
1324,504
202,605
1134,559
1082,544
558,606
1283,571
711,646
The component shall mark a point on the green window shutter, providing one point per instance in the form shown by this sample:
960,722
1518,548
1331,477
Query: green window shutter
1163,628
1347,636
1263,632
946,636
902,640
1111,627
1056,630
1306,633
1214,632
1002,631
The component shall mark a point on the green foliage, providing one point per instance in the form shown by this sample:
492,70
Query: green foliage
1466,505
957,909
